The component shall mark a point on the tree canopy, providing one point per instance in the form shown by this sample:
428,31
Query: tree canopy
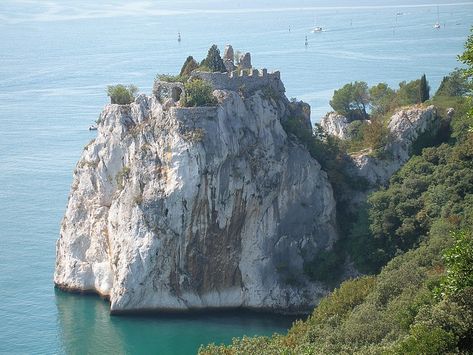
381,98
352,100
189,65
214,61
454,84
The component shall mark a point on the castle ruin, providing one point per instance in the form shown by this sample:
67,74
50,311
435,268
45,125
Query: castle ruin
242,79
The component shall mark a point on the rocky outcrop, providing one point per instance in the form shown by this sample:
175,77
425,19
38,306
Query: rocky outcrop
405,127
177,208
335,125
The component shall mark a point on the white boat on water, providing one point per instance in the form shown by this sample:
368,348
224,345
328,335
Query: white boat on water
437,24
317,29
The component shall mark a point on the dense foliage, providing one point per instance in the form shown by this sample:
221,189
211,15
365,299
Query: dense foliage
121,94
437,184
396,312
355,100
422,300
454,84
352,100
214,61
198,93
189,65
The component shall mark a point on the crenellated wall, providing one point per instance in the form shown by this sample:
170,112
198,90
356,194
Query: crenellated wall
249,81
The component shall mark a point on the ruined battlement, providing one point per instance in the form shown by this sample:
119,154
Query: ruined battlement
249,80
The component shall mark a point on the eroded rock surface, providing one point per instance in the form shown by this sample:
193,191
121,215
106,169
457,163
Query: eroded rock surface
405,127
186,208
335,125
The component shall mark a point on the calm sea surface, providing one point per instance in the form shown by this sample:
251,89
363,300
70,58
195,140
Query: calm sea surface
56,59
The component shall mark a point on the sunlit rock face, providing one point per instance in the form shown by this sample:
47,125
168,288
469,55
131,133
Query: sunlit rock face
405,127
335,125
176,208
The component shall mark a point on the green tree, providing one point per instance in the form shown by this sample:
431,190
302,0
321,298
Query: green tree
467,56
189,65
454,84
352,100
423,89
459,263
214,61
198,93
382,97
121,94
408,93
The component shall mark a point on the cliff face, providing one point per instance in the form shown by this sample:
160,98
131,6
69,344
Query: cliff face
405,127
335,125
185,208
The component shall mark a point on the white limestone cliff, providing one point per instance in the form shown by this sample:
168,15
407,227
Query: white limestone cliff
404,127
191,208
335,125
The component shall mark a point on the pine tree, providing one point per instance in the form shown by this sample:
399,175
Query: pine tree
189,65
214,61
424,89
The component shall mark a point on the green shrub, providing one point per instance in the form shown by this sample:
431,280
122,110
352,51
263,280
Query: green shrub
172,78
427,340
198,93
459,263
121,94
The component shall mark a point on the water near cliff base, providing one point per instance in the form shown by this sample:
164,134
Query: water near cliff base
56,59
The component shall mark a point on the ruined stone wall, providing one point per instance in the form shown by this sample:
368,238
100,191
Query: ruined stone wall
249,81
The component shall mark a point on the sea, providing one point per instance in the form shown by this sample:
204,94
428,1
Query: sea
56,60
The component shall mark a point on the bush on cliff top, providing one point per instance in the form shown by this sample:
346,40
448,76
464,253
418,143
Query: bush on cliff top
198,93
121,94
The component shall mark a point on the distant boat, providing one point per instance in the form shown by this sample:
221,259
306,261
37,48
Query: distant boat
306,41
179,37
93,128
437,24
316,28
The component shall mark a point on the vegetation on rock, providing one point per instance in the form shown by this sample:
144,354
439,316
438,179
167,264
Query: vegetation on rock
418,231
121,94
189,65
351,100
198,93
214,61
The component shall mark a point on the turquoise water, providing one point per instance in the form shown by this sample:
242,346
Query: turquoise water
56,59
